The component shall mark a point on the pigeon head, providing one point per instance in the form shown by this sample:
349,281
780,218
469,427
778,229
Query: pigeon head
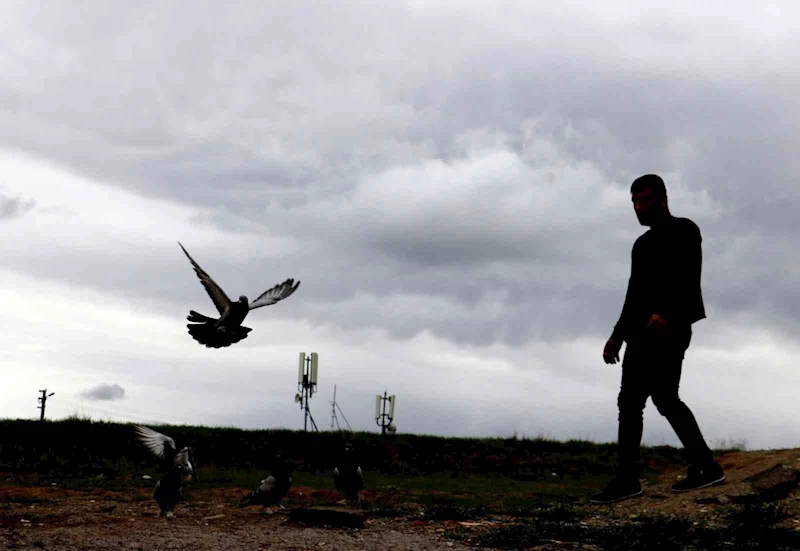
243,300
279,463
186,463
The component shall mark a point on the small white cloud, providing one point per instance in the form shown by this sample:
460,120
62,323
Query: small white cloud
104,392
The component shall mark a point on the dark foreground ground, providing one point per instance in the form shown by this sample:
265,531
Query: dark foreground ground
411,515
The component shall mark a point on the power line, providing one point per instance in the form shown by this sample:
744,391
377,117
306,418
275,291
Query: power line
130,417
135,412
97,409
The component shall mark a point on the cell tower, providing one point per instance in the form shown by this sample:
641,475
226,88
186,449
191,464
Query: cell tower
334,418
382,418
307,384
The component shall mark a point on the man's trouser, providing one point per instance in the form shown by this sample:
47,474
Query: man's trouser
651,367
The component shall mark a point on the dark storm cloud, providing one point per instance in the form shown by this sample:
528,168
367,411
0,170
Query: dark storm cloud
441,173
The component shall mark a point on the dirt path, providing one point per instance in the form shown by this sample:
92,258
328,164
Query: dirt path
659,499
150,534
144,531
53,518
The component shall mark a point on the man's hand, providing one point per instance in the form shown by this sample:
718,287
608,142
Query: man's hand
611,351
657,322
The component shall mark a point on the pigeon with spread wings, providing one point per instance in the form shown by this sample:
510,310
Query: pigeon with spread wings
178,463
228,329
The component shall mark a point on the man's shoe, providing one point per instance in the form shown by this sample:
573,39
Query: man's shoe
617,490
700,477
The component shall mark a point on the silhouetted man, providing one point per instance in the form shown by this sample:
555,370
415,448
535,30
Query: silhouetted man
662,302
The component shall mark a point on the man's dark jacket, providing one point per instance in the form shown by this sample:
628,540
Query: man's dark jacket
666,263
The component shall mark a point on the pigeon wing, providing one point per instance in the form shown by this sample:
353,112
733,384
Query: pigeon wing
277,293
267,485
161,445
218,296
183,459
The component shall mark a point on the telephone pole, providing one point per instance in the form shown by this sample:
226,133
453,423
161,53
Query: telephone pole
43,399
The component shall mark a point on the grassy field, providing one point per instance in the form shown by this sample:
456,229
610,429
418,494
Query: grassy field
80,452
510,473
83,447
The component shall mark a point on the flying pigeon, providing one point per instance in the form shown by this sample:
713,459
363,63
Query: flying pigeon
271,490
348,477
179,464
228,329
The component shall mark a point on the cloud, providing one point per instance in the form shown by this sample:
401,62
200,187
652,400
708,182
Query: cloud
447,199
14,207
104,392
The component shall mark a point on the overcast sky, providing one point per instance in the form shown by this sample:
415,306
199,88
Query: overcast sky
448,180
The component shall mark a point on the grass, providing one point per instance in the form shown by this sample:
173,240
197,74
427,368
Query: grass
496,475
79,447
442,496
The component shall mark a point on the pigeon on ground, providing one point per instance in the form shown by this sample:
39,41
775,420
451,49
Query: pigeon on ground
348,477
178,464
271,490
227,329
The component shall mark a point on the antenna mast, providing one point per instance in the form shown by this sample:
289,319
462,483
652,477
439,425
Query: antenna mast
307,384
382,417
333,410
334,418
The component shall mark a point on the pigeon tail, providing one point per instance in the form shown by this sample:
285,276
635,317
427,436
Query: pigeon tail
256,497
205,334
248,500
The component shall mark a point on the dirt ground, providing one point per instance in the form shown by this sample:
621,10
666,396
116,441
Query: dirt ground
102,519
659,499
49,517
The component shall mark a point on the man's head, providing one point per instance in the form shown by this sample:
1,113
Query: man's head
649,197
